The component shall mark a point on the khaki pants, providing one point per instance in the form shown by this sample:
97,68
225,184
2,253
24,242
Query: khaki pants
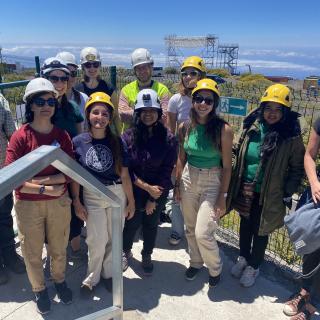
199,191
35,220
99,234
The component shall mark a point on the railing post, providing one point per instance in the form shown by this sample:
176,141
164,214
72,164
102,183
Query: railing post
37,61
113,76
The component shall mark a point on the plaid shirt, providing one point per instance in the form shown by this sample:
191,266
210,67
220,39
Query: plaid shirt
7,127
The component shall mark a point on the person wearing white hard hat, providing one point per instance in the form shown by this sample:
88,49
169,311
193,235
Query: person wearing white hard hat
153,153
68,115
92,82
80,98
69,118
142,64
42,204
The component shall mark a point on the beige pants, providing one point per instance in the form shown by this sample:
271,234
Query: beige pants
99,234
199,190
35,220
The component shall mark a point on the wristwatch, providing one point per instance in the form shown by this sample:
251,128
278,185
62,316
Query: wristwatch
42,189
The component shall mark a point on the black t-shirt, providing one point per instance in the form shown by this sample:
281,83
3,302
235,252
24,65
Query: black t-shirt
316,126
95,156
102,87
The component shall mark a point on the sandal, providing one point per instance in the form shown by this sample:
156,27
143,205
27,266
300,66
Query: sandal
295,304
302,315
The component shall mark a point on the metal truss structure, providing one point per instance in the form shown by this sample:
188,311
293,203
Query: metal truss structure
227,57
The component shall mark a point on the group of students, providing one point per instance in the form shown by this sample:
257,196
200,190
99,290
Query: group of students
179,146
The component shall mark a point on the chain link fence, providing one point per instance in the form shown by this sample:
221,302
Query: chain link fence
279,250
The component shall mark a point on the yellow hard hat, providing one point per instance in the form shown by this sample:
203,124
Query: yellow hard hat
206,84
278,93
194,62
99,97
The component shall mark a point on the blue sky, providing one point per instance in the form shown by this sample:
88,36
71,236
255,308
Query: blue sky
284,33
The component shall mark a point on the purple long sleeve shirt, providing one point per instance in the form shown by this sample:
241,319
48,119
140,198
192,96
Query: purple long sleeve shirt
155,161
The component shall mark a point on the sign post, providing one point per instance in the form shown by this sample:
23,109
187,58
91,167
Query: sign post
233,106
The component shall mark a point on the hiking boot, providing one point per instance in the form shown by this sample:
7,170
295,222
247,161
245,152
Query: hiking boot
64,293
238,267
174,239
147,265
14,262
213,281
3,275
191,273
126,255
249,276
295,304
43,301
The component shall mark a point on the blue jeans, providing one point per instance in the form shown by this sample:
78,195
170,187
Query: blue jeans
174,211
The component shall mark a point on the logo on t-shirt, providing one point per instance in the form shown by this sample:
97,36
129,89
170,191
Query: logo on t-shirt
99,158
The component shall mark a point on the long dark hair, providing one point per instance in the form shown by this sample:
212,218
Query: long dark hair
214,124
287,126
29,115
113,139
141,132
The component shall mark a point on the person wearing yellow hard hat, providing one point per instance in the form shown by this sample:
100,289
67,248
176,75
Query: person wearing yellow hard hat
192,70
268,169
202,178
103,154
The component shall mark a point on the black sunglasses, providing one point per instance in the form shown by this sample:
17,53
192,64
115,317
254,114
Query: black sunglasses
95,64
73,74
199,99
191,73
40,102
56,79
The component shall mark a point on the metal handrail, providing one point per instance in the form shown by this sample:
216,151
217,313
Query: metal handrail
15,174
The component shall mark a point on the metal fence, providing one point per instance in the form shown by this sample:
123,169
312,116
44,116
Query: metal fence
280,250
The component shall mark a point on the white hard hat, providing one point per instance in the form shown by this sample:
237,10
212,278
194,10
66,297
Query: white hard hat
52,64
140,56
67,57
147,98
39,85
89,54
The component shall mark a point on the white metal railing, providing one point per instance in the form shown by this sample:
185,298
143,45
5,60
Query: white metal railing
28,166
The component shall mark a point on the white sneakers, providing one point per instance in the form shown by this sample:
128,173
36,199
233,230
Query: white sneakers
238,267
249,276
246,273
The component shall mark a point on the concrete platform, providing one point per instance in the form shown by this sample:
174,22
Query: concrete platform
165,295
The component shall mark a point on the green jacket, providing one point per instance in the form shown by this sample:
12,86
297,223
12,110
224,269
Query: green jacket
283,172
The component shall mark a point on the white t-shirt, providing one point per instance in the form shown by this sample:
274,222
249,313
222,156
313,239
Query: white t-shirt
180,105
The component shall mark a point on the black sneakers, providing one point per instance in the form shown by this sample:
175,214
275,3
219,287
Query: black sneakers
191,273
43,301
213,281
147,265
64,293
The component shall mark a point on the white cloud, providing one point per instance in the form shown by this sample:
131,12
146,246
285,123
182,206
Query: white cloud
272,64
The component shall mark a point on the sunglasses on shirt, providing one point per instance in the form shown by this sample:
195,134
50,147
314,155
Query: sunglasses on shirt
40,102
200,99
56,79
89,65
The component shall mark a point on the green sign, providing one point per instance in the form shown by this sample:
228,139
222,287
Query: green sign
233,106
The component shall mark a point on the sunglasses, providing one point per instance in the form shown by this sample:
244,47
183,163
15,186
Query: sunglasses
40,102
89,65
56,79
73,74
200,99
191,74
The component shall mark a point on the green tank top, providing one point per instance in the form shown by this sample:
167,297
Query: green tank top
200,150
